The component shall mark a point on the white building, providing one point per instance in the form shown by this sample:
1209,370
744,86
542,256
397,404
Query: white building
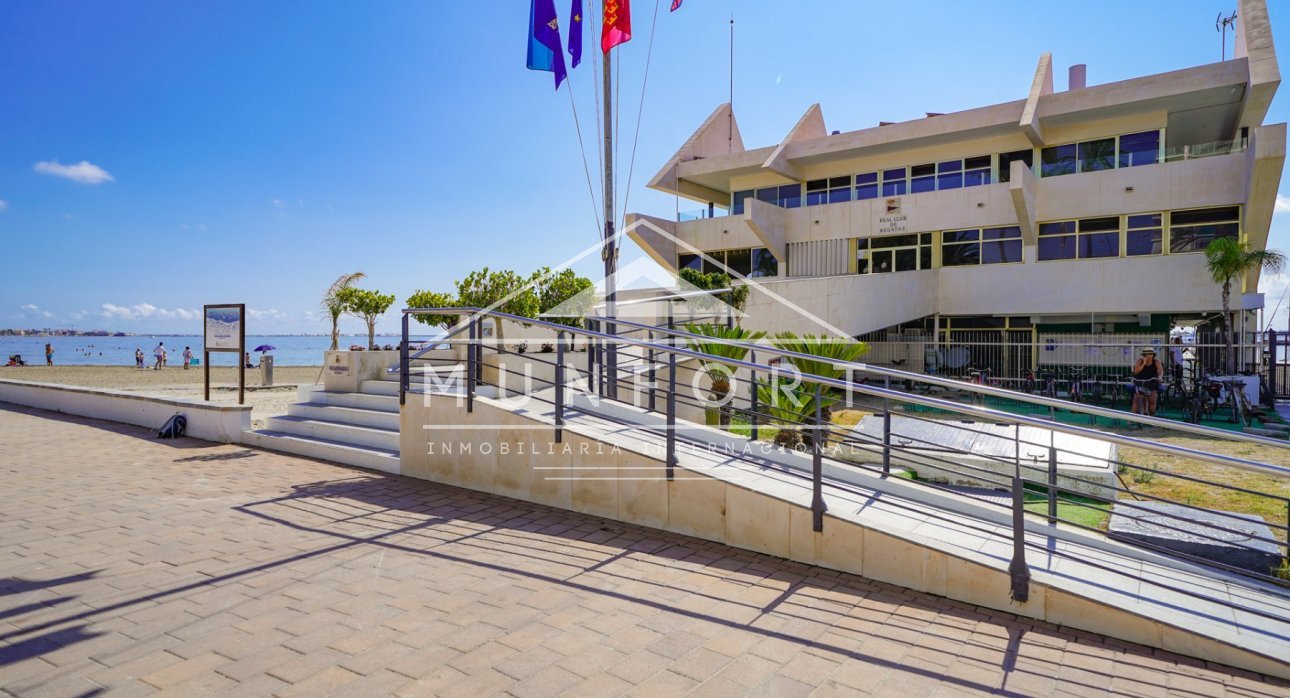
1078,211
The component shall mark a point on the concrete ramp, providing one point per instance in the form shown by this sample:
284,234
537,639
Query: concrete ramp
753,496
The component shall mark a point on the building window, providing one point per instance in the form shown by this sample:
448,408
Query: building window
1057,240
987,246
923,178
1006,160
1140,149
866,186
787,196
893,182
763,263
742,261
894,253
1097,155
737,202
1099,237
833,190
1193,230
1143,235
976,171
1057,160
949,175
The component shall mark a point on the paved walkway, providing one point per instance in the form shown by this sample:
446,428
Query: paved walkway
186,568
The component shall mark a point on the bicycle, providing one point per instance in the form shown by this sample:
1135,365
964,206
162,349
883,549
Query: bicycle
1235,401
1140,388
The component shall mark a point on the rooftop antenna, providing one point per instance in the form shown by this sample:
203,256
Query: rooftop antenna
1220,25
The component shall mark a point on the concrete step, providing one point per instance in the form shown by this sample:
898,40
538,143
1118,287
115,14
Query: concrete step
380,387
382,403
379,419
384,460
336,431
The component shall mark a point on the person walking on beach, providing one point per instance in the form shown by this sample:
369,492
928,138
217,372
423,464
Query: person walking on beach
138,357
160,355
188,357
49,354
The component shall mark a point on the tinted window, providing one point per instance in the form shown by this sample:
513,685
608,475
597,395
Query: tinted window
688,261
1058,160
1139,149
1006,160
1097,155
739,261
764,263
737,201
1060,247
1001,252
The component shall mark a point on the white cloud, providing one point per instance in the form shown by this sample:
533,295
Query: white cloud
3,204
270,314
31,309
1282,205
146,311
279,203
84,171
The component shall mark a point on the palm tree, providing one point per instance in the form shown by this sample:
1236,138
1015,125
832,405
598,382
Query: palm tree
331,302
1228,259
796,405
718,371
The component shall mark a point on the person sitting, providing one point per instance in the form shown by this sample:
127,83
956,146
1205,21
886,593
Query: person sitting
1147,372
16,360
246,360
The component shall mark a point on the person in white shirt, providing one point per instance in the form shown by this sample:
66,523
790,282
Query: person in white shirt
160,355
1176,359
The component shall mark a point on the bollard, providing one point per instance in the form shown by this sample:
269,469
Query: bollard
559,387
671,415
817,468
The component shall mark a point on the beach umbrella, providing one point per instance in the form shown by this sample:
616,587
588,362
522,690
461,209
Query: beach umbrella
264,347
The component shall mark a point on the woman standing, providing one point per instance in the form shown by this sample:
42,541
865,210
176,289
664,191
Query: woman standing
49,354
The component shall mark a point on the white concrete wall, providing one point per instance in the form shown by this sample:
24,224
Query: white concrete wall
853,303
343,371
207,421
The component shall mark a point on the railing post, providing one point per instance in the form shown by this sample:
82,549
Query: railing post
752,399
671,414
403,363
591,358
652,375
470,365
559,387
1018,570
817,467
1052,484
886,429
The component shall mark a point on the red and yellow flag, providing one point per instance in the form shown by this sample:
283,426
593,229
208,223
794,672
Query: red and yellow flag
617,27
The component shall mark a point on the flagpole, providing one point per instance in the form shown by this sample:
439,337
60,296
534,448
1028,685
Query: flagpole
609,252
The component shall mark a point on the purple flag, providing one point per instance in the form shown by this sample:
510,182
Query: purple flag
545,52
575,33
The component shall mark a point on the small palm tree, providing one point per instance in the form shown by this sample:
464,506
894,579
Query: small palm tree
332,305
718,371
1229,259
796,405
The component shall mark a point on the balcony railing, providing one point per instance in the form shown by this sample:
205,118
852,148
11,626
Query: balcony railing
1204,150
699,214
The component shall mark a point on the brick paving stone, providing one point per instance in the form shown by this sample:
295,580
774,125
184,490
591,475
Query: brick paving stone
138,567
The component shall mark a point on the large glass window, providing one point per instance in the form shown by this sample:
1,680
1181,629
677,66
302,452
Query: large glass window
737,202
987,246
1057,160
1099,237
739,261
1097,155
763,263
893,181
1193,230
828,191
1140,149
1143,235
1006,160
923,178
787,196
949,175
866,186
894,253
689,261
976,171
1057,240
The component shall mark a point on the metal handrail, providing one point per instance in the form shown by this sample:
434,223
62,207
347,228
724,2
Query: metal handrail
985,390
816,430
978,411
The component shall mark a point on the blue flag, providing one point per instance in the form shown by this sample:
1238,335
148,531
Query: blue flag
575,33
545,51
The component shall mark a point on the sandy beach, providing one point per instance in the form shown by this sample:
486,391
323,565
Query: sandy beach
175,382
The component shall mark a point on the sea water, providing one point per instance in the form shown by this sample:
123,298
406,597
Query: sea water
119,351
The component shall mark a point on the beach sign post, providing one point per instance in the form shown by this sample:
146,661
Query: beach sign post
225,330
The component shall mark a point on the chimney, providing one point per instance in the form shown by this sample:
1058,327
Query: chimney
1078,77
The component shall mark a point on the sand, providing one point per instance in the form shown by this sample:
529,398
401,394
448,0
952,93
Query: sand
175,382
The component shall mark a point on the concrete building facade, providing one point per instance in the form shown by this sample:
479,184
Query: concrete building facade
1088,208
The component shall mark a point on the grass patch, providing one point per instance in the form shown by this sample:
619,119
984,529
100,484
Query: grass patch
1072,509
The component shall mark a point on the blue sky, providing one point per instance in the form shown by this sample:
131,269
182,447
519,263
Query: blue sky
252,152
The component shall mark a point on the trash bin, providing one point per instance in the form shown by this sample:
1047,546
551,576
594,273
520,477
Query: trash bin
266,369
